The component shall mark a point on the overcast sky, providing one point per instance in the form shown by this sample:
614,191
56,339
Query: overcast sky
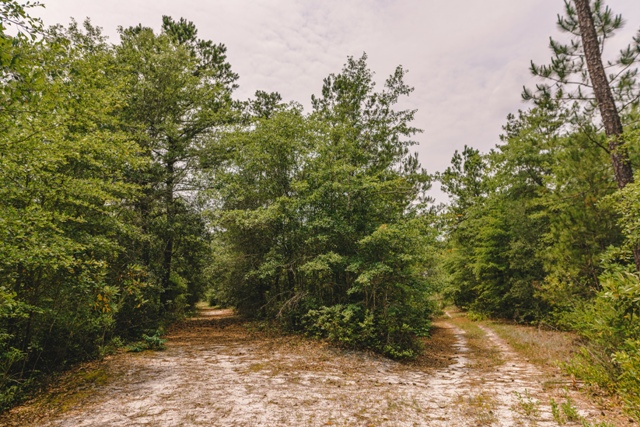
467,59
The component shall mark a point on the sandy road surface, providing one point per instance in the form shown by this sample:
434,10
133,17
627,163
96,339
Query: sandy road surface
217,371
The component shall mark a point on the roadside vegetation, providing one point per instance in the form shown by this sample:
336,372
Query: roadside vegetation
543,229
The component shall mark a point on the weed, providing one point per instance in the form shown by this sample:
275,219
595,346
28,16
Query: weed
485,355
257,367
149,342
586,423
111,347
98,376
480,406
540,346
527,406
566,412
570,410
136,347
154,342
558,416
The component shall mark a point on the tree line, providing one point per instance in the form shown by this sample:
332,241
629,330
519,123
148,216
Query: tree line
102,240
134,184
543,229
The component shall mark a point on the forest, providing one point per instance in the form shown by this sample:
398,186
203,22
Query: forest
135,184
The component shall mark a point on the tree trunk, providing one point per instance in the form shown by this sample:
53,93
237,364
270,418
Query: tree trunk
169,202
606,104
604,96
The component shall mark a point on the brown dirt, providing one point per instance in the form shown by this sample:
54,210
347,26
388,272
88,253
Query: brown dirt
220,371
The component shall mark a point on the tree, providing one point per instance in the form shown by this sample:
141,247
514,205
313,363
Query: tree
494,229
604,98
609,93
572,82
178,92
601,88
532,241
15,14
320,223
63,192
464,180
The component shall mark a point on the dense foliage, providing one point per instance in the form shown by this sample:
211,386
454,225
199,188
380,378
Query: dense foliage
131,183
322,216
100,237
543,229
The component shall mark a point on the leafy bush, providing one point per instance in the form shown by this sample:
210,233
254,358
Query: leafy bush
611,357
149,342
628,362
349,325
353,326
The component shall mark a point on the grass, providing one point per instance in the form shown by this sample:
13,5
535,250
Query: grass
566,412
527,405
485,356
73,388
98,376
481,407
554,353
539,346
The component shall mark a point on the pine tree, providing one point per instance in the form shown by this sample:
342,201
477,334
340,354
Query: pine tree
579,65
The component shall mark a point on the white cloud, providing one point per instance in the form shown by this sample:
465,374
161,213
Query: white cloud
468,59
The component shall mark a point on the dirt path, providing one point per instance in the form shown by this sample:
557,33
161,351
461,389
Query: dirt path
216,371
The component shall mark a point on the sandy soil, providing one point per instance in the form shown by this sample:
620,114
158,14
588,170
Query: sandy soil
220,371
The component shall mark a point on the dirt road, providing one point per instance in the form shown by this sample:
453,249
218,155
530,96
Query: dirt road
218,371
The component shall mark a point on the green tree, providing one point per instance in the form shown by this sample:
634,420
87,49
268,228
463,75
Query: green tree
494,235
580,76
464,181
256,175
178,94
62,192
320,223
534,240
14,14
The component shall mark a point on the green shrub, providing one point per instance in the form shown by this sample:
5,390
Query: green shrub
149,342
611,358
628,362
348,325
353,326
